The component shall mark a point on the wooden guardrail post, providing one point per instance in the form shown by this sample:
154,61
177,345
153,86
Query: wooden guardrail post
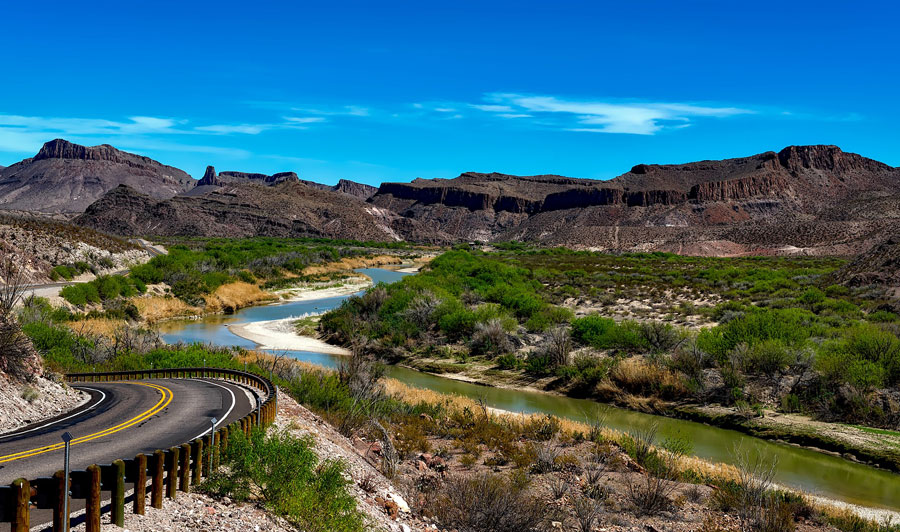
207,442
217,449
225,433
60,520
21,521
172,472
92,505
140,484
118,494
184,469
156,488
198,461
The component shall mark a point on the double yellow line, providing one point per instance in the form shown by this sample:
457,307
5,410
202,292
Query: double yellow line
164,401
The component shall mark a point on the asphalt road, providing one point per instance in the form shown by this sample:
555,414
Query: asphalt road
121,420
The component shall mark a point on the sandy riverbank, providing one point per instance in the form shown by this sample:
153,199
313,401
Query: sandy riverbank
280,334
310,292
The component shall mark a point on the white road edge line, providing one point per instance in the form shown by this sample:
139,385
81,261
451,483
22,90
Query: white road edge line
233,403
88,409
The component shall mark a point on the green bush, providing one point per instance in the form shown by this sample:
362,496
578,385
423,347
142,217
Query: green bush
864,356
103,288
284,472
792,327
768,357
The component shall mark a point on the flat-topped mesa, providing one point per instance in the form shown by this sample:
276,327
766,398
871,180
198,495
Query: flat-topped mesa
828,158
232,177
63,149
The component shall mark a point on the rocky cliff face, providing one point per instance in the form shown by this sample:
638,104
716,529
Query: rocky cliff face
286,209
800,184
360,190
245,177
67,177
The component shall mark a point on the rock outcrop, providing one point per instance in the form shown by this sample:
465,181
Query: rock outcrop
210,178
360,190
67,177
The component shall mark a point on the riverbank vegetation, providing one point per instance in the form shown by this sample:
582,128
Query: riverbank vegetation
647,331
222,275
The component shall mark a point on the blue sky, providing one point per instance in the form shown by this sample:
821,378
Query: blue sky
390,91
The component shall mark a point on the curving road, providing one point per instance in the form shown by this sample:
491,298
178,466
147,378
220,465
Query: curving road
121,420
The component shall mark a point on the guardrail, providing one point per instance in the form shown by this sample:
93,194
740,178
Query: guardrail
168,470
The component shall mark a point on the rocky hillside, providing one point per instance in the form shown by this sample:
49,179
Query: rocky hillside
360,190
38,245
808,199
67,177
286,209
345,186
879,266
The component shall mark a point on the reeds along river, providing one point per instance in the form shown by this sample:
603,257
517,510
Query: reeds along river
810,471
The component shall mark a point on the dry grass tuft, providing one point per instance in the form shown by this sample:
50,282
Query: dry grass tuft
156,308
351,263
233,296
638,376
96,326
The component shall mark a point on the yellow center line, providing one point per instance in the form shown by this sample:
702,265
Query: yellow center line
164,401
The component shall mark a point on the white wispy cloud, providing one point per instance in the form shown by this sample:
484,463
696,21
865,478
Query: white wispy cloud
227,129
341,110
304,119
23,134
607,116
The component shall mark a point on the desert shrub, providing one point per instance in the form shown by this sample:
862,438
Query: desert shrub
484,502
548,317
491,339
659,336
767,357
593,330
557,346
864,356
650,492
791,327
508,361
284,473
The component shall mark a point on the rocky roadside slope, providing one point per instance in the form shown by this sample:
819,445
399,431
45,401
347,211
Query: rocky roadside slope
38,244
27,395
